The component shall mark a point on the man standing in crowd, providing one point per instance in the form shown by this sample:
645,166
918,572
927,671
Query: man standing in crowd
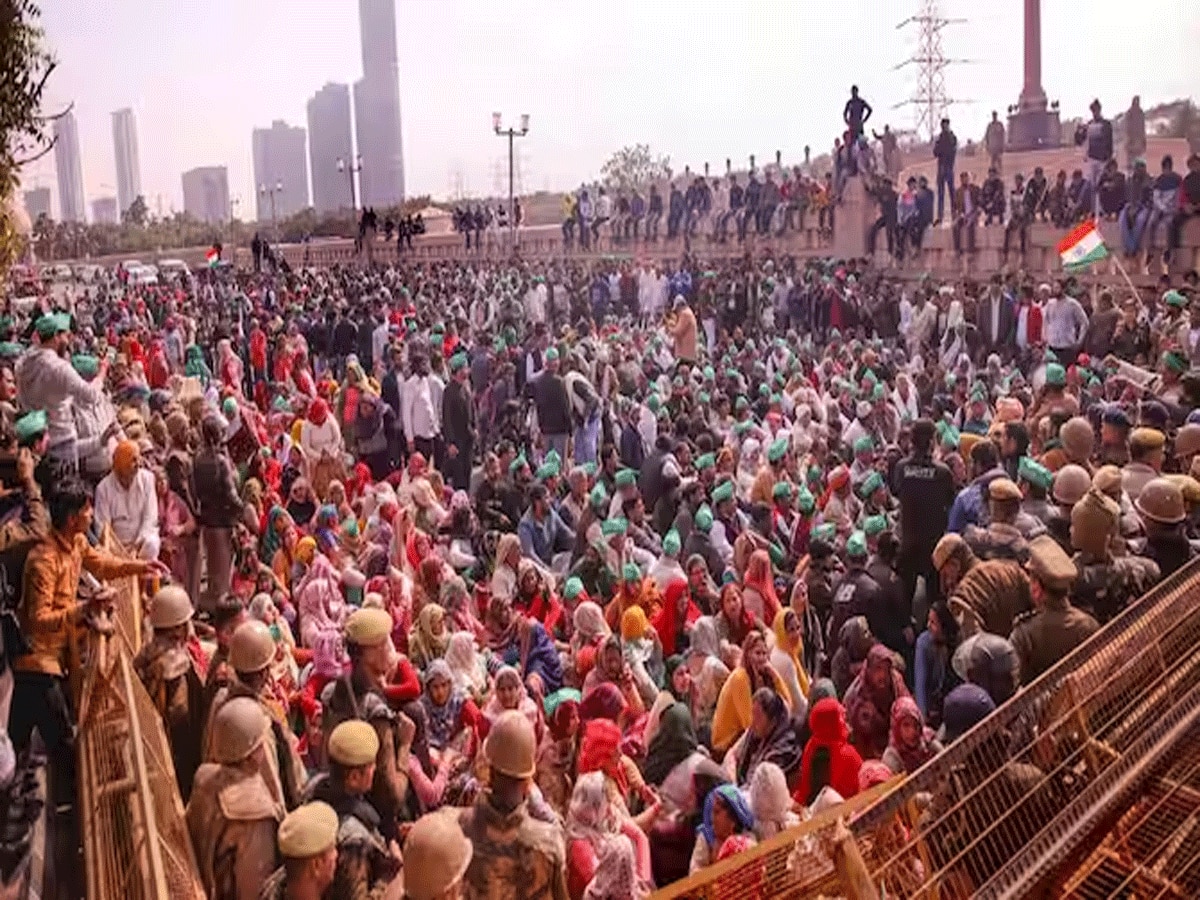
945,150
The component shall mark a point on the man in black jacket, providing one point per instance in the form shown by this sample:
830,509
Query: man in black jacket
925,489
458,424
219,509
553,406
1097,135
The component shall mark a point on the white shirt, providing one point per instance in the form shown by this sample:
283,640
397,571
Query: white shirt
133,513
47,381
1064,322
421,406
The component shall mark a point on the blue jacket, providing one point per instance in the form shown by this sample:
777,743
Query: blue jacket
541,540
970,506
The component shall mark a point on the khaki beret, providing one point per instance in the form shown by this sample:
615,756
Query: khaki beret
1107,480
1049,564
308,830
947,546
368,627
1147,438
353,743
1003,489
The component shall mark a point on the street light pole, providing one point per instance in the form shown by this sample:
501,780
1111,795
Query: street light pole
511,134
351,170
272,191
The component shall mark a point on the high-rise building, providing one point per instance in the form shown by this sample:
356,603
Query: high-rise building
69,169
328,141
206,194
104,211
129,170
280,161
377,106
37,203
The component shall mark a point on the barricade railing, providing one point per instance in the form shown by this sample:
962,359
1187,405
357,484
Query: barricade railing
135,839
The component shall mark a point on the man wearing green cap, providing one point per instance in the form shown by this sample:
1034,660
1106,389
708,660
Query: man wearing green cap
458,423
1035,481
47,381
728,521
553,405
856,593
700,543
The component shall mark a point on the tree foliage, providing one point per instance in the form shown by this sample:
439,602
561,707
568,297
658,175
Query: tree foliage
634,167
24,67
137,214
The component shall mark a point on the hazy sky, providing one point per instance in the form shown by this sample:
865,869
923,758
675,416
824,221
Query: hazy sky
698,80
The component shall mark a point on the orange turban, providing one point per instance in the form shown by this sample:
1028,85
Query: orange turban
125,458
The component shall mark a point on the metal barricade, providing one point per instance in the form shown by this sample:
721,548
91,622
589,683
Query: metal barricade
135,840
805,861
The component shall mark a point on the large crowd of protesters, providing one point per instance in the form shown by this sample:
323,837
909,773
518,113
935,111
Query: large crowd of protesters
566,579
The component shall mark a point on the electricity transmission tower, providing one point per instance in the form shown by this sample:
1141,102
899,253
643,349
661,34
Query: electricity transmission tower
930,99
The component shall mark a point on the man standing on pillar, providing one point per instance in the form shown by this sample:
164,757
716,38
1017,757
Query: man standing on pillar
993,139
945,149
856,113
1096,137
1135,133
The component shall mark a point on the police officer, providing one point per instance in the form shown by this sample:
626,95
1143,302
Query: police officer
984,595
170,677
1071,482
366,864
925,489
233,811
515,855
1186,446
1145,460
1003,538
1108,481
308,845
359,695
436,857
251,651
1054,627
1106,583
1160,505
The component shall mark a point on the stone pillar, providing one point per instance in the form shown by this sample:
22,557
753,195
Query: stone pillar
1032,124
1032,95
851,219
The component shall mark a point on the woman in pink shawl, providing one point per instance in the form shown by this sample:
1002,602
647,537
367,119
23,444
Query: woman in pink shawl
229,367
869,701
319,601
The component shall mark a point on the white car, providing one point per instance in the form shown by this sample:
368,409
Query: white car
61,272
88,272
169,268
142,275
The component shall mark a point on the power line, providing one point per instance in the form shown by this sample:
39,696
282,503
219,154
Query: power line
930,100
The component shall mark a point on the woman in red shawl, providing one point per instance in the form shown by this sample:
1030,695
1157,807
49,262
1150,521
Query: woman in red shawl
678,612
828,760
869,702
536,599
734,623
158,370
758,588
911,744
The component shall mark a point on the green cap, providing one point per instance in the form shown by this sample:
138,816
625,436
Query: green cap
705,461
589,469
573,588
709,374
30,426
763,390
778,449
704,398
704,518
609,527
950,435
740,428
515,466
53,323
1056,375
1175,361
626,478
782,490
877,392
864,444
458,361
1174,298
549,469
740,403
631,572
826,531
438,328
10,349
671,543
599,495
806,501
856,544
552,354
653,402
1034,472
723,491
874,525
870,485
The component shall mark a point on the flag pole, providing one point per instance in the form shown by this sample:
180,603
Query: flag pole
1128,280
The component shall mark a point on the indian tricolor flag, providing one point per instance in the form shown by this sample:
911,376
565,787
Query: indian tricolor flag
1082,247
212,257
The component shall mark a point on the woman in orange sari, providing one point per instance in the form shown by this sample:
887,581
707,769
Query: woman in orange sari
633,591
758,588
